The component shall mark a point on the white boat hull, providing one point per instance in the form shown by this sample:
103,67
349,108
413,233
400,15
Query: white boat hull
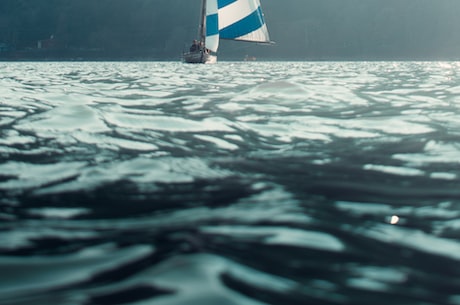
199,58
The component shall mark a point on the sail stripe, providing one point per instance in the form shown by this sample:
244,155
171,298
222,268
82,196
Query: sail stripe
212,25
224,3
236,11
243,27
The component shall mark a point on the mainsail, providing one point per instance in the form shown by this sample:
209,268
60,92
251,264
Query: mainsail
235,20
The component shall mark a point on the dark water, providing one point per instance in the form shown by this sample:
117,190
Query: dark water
260,183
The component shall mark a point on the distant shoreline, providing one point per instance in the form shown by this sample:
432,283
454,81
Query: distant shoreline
75,55
65,55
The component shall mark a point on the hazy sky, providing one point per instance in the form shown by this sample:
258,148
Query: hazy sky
366,28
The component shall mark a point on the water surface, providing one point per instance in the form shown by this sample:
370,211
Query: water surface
236,183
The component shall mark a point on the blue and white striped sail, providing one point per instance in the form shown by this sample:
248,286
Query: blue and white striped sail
236,20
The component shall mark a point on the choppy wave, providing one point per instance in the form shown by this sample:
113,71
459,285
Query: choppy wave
238,183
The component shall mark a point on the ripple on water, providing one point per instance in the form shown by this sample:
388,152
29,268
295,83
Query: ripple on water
66,118
32,275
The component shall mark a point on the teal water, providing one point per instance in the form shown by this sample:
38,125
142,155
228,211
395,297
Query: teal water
236,183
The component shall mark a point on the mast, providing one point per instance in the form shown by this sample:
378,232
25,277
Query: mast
203,23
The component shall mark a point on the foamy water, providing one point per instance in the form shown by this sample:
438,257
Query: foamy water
236,183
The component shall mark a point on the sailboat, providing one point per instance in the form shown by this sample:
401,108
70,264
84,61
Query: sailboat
241,20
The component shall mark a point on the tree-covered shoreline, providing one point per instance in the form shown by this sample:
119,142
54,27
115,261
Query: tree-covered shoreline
160,29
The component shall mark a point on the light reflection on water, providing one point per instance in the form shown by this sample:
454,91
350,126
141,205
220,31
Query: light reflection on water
238,183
